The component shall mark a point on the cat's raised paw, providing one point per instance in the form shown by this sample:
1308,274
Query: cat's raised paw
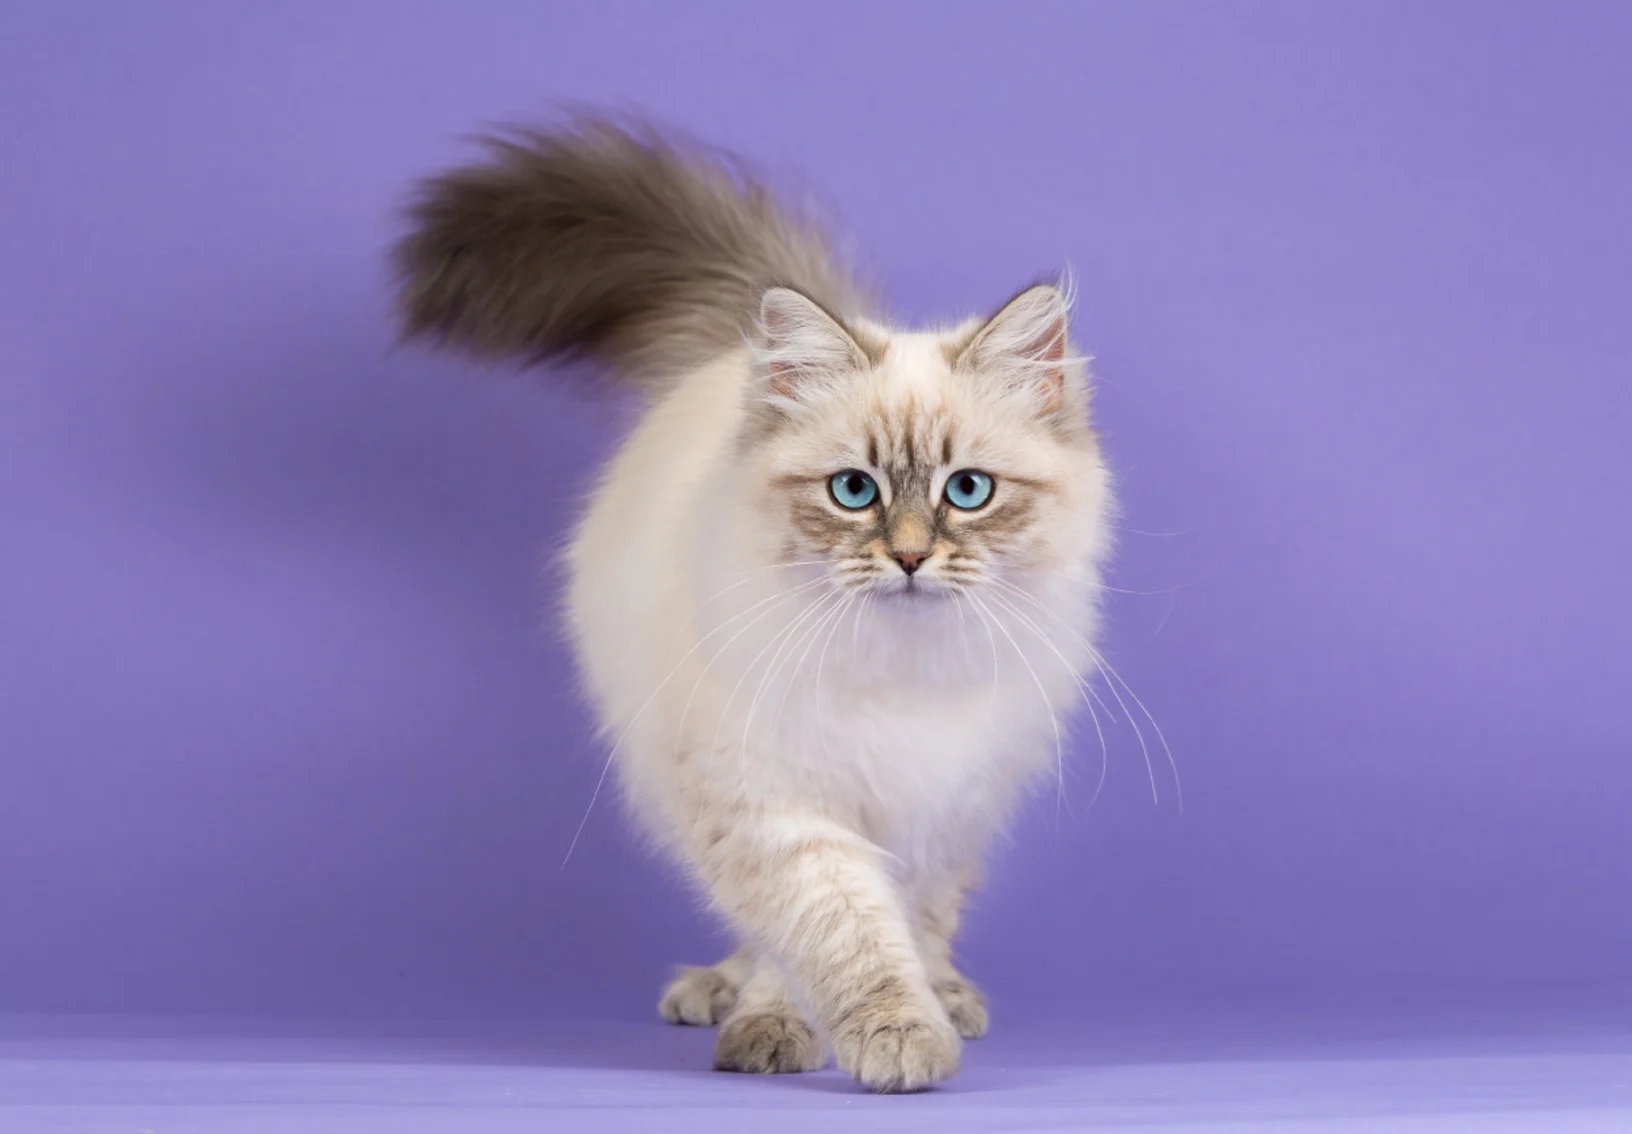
700,997
767,1044
964,1005
896,1057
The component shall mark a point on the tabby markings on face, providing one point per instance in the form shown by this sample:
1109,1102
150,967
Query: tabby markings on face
912,519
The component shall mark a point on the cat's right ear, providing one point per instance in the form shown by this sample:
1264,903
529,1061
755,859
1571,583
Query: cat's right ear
801,350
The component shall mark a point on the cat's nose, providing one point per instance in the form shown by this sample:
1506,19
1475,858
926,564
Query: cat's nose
909,560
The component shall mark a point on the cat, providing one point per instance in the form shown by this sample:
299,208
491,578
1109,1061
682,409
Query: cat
830,599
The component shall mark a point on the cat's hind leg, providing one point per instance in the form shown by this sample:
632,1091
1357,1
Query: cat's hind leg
704,995
938,906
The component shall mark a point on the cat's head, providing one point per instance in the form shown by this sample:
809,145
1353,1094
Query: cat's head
922,464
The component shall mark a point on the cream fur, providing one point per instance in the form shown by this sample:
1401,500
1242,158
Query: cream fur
829,761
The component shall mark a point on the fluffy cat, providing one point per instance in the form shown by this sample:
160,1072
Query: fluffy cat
832,597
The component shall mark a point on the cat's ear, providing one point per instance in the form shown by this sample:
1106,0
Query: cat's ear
801,349
1024,348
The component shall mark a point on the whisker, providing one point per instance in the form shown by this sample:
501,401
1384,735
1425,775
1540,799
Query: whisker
622,736
1059,747
855,626
1172,605
991,700
1157,535
777,640
743,578
1144,748
751,573
1070,629
680,727
821,705
1150,769
1102,664
1173,765
963,628
1082,691
821,659
1098,585
775,666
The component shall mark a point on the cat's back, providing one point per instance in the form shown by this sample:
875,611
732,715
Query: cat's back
633,556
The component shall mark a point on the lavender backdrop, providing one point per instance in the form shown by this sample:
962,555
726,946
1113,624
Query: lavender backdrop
280,730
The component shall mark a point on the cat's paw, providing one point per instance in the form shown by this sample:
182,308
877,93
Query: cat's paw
896,1052
964,1005
700,997
767,1043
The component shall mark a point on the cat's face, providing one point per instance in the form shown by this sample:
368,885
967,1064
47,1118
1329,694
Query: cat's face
922,465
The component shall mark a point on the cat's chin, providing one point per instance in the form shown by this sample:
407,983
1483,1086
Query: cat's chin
912,596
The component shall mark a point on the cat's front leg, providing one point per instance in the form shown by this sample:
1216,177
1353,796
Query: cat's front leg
815,896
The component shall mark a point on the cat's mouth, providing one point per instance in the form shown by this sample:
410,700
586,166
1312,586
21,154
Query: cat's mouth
916,590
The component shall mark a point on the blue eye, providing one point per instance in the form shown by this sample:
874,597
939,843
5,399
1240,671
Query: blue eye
968,489
852,489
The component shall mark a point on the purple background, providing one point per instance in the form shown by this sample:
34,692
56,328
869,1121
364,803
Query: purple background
280,731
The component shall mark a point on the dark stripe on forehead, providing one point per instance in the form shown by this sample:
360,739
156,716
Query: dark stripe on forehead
904,430
911,481
909,443
897,426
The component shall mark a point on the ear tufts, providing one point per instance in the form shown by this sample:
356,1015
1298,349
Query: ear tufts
1025,346
801,349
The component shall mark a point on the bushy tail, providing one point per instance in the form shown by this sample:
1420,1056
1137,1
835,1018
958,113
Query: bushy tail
606,242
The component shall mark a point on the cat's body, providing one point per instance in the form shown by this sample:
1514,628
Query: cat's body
831,599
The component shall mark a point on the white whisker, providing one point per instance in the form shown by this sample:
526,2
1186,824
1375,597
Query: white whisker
1070,629
1082,691
963,628
855,626
991,699
680,727
821,659
750,574
743,578
1059,746
1156,535
1173,765
1172,604
808,639
1108,674
1097,584
776,640
610,756
1144,748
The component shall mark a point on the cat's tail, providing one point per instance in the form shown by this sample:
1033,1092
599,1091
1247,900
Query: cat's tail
604,241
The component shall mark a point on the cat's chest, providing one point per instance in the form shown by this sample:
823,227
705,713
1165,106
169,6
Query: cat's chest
909,762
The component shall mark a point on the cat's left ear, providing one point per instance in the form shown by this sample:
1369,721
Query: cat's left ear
1024,348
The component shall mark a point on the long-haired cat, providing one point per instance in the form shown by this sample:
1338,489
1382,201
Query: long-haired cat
832,596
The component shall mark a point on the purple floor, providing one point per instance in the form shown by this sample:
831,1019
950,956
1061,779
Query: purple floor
148,1077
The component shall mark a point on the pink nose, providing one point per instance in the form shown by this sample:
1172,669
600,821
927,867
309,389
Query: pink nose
909,560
